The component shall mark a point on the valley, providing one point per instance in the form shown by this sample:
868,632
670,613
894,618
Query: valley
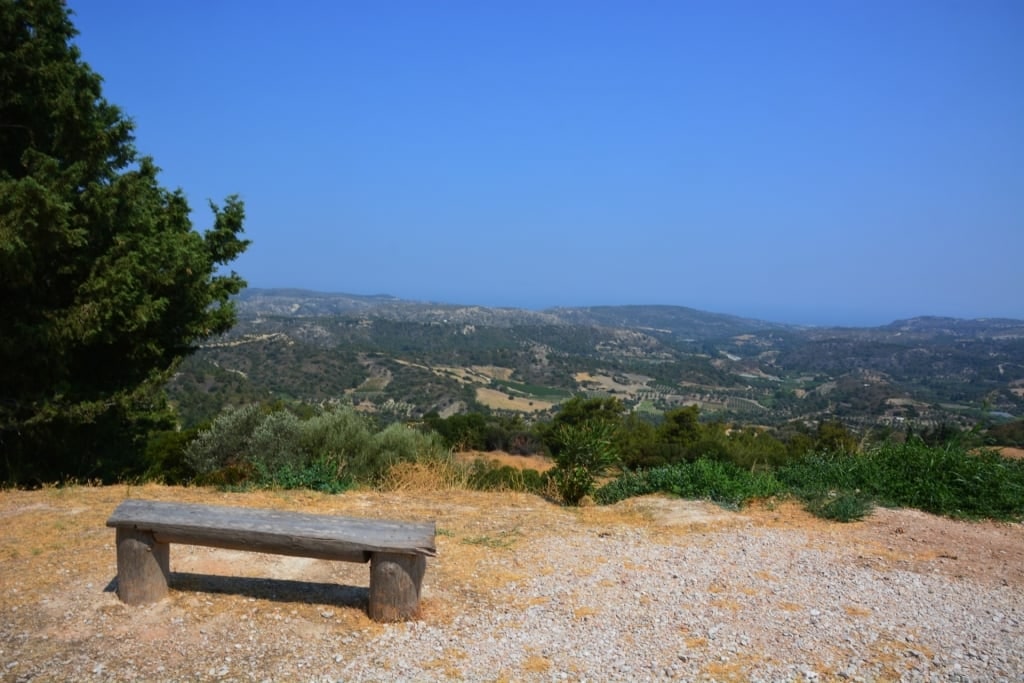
404,359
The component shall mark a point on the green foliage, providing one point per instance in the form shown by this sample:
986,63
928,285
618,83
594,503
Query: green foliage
681,426
840,507
225,443
585,451
275,443
589,413
331,450
940,434
490,476
749,448
946,480
637,443
317,474
474,431
833,436
579,410
396,443
462,432
721,482
104,283
682,437
165,456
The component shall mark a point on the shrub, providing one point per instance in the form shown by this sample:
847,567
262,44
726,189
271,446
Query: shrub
443,474
721,482
585,451
225,443
843,507
329,451
396,443
275,444
490,476
319,474
339,437
946,480
165,457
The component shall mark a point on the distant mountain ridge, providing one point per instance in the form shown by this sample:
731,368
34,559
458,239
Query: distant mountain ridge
677,320
681,321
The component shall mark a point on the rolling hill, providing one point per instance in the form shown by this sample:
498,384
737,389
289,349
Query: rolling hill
402,359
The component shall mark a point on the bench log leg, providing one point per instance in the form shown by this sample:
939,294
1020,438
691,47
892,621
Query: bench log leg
395,582
143,566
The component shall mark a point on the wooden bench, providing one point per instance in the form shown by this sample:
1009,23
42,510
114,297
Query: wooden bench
396,551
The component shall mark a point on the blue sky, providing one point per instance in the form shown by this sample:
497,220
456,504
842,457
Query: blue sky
836,161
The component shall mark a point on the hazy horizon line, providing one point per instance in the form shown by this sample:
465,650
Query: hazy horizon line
802,318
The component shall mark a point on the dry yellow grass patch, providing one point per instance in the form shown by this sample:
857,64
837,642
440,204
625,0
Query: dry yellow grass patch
725,671
727,604
541,463
855,611
537,664
446,663
889,652
423,477
492,398
585,612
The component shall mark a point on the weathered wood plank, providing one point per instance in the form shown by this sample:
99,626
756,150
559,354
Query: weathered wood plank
329,537
143,567
395,584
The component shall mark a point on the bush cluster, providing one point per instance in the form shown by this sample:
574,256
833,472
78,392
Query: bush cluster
329,451
948,479
332,450
722,482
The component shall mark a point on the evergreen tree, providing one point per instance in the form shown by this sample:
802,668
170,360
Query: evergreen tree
104,285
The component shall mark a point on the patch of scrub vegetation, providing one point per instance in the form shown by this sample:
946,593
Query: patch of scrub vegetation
721,482
948,479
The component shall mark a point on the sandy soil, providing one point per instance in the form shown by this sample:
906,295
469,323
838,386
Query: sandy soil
248,616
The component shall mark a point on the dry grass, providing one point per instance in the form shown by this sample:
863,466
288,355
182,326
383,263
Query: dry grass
426,476
536,663
492,398
541,463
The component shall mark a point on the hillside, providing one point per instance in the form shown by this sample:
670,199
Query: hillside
402,359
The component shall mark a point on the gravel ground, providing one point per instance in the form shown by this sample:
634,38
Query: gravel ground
523,590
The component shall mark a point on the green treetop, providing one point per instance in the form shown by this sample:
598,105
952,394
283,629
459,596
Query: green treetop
104,284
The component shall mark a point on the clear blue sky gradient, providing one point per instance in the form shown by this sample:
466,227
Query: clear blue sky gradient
820,162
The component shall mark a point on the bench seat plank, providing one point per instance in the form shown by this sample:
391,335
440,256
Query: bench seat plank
328,537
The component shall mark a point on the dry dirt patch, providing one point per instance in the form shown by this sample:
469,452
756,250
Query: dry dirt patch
248,616
1008,452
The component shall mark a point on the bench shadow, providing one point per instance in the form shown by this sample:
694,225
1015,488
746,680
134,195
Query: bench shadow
278,590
